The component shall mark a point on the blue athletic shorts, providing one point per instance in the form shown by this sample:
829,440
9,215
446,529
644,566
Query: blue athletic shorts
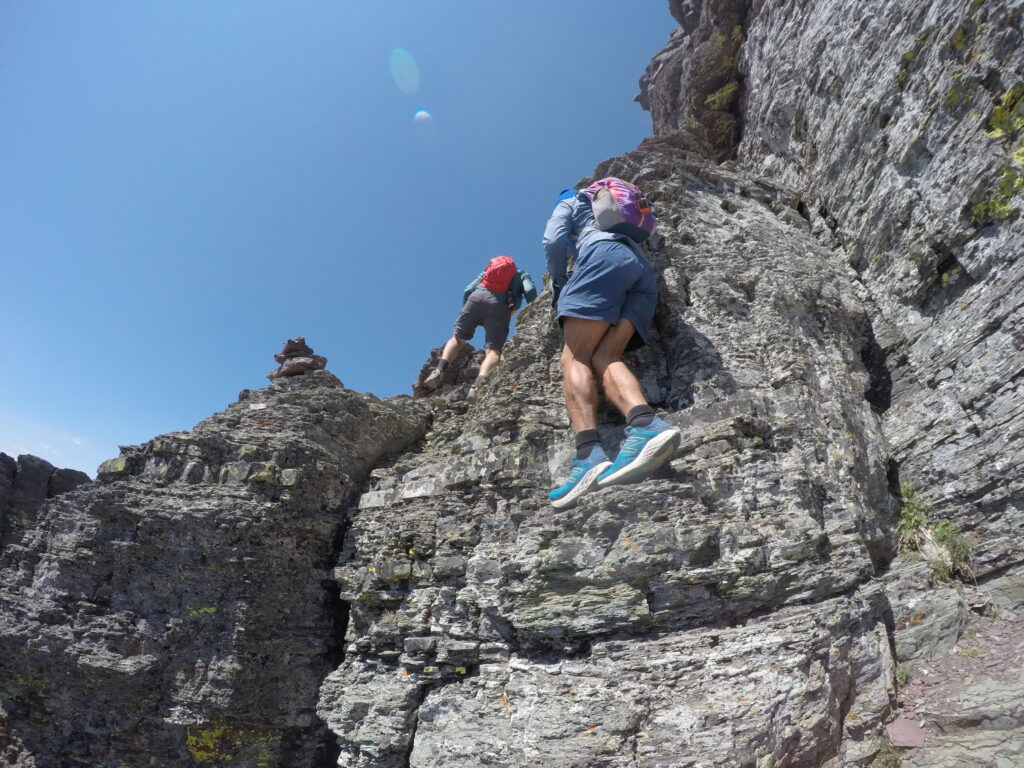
610,281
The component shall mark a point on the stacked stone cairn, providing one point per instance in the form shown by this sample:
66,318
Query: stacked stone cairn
296,358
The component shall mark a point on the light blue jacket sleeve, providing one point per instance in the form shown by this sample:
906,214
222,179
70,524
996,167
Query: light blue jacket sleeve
559,238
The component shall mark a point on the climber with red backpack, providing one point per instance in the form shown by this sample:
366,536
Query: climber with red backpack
489,301
605,307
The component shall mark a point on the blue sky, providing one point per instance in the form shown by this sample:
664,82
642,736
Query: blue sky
184,185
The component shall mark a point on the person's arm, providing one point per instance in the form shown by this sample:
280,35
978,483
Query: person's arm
514,293
558,243
475,285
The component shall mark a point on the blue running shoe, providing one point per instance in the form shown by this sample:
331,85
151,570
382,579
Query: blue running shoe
581,479
643,451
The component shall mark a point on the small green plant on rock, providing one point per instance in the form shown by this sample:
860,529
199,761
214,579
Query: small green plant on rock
903,674
888,756
911,519
946,549
1006,122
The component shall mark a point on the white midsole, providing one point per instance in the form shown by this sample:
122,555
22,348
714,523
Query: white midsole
653,447
582,486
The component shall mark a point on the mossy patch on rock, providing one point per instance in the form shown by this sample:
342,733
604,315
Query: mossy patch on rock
724,97
1007,118
219,743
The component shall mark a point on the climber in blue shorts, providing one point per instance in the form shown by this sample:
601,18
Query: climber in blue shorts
605,306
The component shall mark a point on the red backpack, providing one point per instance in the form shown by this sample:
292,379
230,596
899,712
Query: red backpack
499,273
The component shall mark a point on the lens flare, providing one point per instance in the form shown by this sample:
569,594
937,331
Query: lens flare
422,116
404,71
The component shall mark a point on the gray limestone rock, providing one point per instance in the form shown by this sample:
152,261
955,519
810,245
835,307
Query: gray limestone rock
1006,591
180,610
905,152
465,586
929,618
970,703
316,577
25,484
461,374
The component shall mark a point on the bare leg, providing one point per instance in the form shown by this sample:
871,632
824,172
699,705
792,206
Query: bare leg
491,359
618,381
452,348
582,337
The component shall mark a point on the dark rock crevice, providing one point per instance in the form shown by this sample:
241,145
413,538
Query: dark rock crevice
879,391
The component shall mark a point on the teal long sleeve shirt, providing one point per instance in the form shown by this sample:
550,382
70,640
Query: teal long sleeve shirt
521,287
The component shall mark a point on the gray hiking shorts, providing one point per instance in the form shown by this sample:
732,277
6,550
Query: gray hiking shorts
489,309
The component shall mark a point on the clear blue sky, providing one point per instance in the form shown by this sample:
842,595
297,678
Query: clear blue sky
184,185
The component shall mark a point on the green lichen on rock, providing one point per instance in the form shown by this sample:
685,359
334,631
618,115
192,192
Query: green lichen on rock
909,56
113,466
959,39
998,202
1006,122
724,97
220,743
264,473
957,101
1007,118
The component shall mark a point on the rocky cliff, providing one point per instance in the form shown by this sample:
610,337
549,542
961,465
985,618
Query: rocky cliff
316,577
25,484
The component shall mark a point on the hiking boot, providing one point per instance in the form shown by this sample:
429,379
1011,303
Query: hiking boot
642,452
581,479
471,395
433,381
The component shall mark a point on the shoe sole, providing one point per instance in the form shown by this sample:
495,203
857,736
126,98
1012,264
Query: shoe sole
658,450
584,485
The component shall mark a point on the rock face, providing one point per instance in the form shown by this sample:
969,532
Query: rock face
25,484
642,626
460,374
900,127
839,316
175,613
